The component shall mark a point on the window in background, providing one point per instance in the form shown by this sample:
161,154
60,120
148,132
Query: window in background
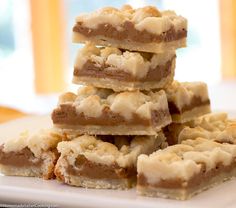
49,48
24,73
7,43
16,60
228,38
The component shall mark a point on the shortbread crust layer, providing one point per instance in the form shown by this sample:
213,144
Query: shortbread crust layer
126,44
118,86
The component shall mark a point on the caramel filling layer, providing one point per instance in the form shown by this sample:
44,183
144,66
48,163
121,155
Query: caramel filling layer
66,114
19,159
172,132
194,181
91,69
130,33
86,168
195,102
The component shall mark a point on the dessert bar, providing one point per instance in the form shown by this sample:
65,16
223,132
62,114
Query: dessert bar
99,111
123,70
187,100
214,126
30,155
103,161
183,170
144,29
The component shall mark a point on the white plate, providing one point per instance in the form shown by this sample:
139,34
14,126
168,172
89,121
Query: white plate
34,190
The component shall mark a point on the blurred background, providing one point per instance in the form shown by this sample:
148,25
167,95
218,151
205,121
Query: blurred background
37,55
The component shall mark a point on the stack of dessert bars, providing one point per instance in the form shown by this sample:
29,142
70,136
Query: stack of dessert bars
114,132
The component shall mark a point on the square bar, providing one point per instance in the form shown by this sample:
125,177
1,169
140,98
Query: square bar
187,100
97,111
184,170
213,126
103,161
120,70
144,29
30,155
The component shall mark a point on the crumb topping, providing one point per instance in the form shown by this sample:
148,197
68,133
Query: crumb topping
213,126
182,93
38,143
122,153
135,63
148,18
91,101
